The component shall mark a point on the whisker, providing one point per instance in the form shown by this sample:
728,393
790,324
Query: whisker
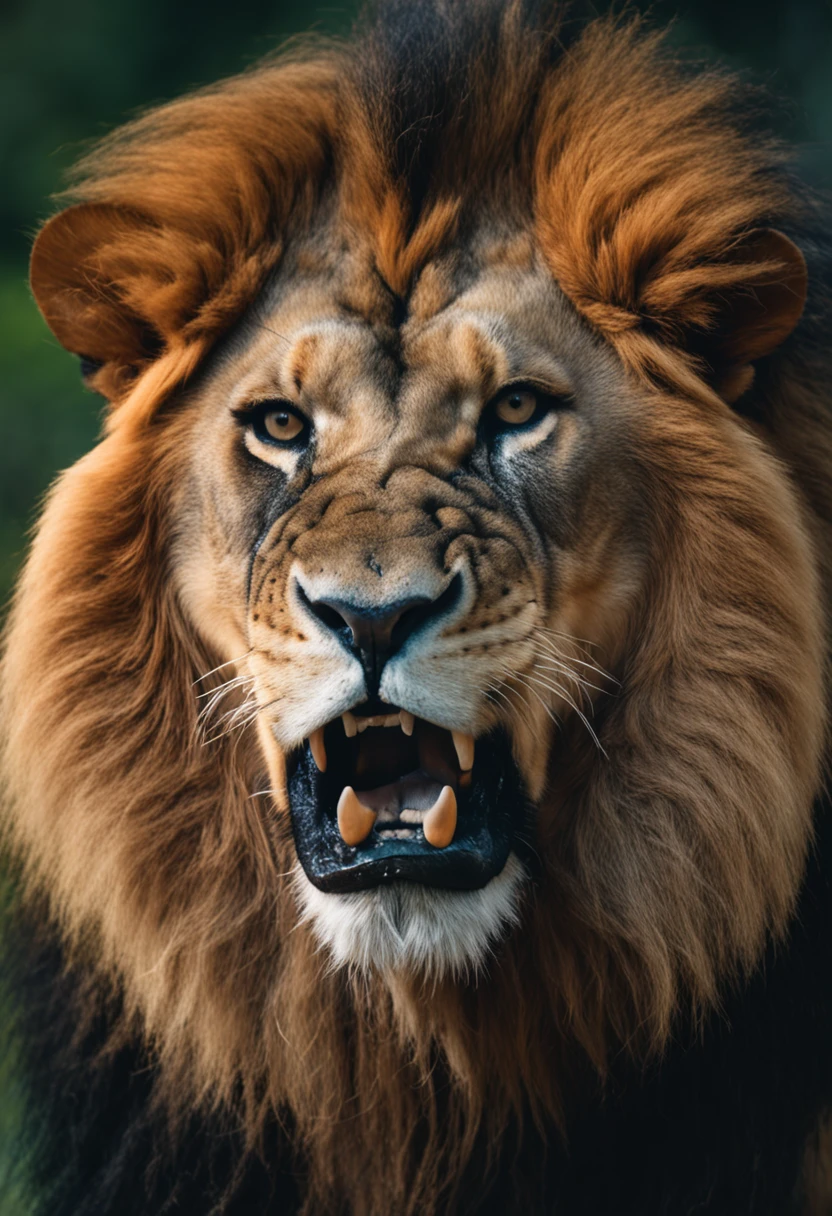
203,718
220,666
551,713
248,713
555,650
546,661
512,688
558,688
234,682
228,717
570,637
274,332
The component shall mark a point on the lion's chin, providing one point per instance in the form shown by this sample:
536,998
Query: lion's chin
406,927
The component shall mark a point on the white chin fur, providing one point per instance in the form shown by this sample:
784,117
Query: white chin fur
408,927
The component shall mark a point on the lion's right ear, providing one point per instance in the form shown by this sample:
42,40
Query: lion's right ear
92,280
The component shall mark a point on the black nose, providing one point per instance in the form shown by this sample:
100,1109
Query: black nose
375,633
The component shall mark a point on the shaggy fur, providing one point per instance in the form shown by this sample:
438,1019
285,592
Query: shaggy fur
161,879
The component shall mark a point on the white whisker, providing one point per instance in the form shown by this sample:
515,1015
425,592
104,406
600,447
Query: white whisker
558,653
561,691
220,666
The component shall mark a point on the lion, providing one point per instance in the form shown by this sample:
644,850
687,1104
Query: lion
415,706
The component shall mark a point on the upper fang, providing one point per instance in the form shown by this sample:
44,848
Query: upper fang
464,745
318,748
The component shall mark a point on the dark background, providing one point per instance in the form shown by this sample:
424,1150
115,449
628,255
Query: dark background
71,71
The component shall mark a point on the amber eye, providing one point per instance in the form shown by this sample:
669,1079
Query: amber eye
516,406
275,422
282,424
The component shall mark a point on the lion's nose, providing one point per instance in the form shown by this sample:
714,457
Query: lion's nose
376,632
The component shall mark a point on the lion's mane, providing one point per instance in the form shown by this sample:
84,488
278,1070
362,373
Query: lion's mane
681,858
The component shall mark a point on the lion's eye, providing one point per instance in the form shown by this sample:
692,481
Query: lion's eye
516,406
521,405
275,422
282,424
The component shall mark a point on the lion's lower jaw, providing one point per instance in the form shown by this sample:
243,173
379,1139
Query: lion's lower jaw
407,927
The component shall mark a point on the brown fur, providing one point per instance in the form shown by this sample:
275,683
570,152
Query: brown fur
667,868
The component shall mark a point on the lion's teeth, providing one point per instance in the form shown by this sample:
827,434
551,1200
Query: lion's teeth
355,821
464,745
407,720
318,748
440,822
376,720
350,725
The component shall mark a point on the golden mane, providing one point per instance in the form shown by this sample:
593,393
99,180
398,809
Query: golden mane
647,196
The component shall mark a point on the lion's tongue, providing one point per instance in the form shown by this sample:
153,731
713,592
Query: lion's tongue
416,791
357,815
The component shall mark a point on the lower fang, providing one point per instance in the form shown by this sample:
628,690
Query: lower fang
440,822
318,748
355,821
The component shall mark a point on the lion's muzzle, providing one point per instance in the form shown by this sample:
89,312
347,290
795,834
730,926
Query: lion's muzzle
399,772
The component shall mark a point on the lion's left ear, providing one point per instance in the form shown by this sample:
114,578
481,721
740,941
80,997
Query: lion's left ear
95,274
754,314
114,287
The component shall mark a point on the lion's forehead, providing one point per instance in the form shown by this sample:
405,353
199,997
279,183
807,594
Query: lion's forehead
469,326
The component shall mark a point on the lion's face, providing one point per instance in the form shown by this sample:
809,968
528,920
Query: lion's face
416,549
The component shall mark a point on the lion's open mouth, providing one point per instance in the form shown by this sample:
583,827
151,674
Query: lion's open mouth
378,795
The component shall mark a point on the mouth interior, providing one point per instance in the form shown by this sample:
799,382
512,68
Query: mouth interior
380,796
397,765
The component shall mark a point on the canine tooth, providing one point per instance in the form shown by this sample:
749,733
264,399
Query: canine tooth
440,822
350,726
355,821
318,748
406,720
464,745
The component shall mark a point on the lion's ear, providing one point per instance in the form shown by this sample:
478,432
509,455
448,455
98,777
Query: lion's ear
88,274
754,314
